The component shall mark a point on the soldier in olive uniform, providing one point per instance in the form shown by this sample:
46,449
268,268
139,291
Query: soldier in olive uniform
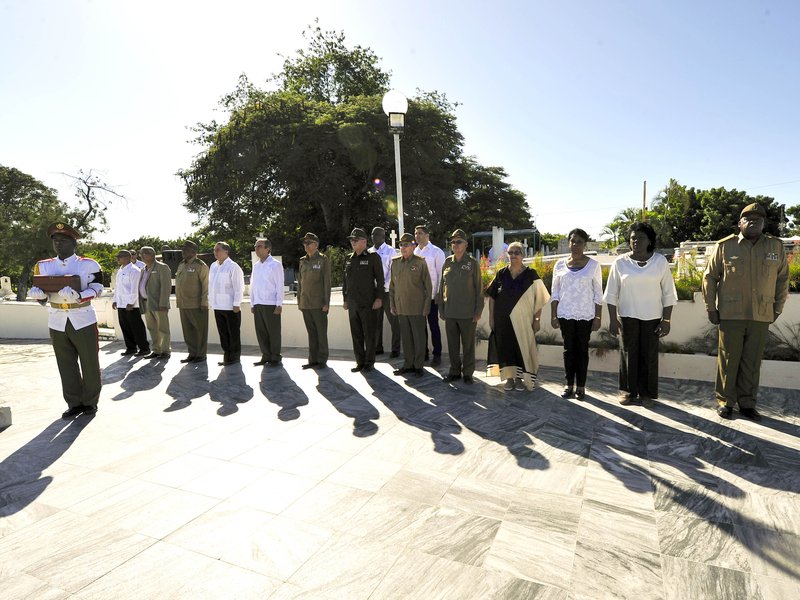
410,290
313,300
191,294
361,291
460,306
745,286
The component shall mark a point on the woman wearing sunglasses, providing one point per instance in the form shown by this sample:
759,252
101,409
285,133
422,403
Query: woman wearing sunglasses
516,297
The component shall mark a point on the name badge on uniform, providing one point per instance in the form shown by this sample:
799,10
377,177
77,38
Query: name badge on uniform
413,268
772,256
316,266
190,270
466,267
363,263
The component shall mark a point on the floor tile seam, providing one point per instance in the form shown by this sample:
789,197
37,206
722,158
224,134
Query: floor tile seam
119,566
707,565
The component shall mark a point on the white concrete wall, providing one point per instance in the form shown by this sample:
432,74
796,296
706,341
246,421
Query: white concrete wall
28,320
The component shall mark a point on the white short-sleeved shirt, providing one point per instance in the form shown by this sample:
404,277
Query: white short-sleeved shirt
640,292
225,285
387,253
266,283
579,291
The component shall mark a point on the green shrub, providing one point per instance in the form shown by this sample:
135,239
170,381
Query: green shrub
337,257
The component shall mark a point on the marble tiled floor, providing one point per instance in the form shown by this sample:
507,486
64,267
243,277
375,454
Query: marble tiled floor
203,482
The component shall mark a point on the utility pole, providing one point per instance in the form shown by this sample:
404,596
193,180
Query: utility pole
644,200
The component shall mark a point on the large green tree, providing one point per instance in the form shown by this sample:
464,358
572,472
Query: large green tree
28,207
315,154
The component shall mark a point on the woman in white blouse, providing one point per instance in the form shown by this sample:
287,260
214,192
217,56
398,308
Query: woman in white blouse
577,305
640,295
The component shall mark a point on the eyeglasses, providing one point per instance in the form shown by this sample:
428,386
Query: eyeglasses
514,253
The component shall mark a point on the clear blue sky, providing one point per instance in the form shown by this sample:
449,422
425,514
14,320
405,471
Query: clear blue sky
580,101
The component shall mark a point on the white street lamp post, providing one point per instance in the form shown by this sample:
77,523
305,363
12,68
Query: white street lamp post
395,106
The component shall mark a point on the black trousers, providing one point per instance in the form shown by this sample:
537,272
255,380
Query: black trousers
133,331
394,324
576,334
638,358
436,333
362,330
229,326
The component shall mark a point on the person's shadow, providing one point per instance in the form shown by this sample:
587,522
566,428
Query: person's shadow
142,379
280,389
346,399
410,409
21,480
118,370
230,389
189,383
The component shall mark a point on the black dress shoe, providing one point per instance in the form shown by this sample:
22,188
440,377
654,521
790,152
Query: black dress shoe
580,393
227,363
568,392
402,371
356,369
394,354
143,352
750,413
128,353
379,351
89,410
419,372
188,359
437,360
153,355
260,363
726,412
198,359
71,412
309,365
452,378
468,379
164,356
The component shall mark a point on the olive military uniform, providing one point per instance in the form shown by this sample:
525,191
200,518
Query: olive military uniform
314,292
363,284
747,283
154,292
191,295
410,290
460,303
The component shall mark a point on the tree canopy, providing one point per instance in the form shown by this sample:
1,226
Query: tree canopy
315,155
28,207
681,214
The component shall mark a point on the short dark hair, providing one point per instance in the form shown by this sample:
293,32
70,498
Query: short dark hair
423,227
648,230
580,233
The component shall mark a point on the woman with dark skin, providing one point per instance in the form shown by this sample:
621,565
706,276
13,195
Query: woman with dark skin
576,309
640,295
